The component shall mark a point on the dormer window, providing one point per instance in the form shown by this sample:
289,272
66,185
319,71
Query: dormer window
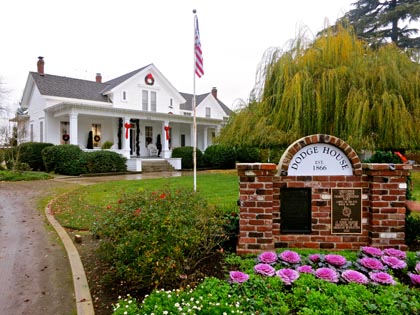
208,112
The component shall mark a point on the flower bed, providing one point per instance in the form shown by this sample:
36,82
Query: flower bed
376,282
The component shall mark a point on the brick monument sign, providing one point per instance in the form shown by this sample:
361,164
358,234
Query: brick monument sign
321,196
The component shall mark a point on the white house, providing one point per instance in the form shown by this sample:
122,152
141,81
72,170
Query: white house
131,111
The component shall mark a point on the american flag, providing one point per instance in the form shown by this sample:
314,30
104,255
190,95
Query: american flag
199,70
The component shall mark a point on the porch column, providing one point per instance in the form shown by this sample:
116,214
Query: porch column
205,140
73,128
166,152
126,138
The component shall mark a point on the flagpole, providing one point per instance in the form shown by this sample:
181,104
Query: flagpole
194,110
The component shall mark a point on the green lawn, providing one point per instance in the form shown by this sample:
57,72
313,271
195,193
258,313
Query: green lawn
79,208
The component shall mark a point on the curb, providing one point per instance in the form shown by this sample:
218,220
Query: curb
83,298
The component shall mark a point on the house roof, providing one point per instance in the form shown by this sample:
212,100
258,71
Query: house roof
188,105
54,85
117,81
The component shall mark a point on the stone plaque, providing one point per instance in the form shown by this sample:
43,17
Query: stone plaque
346,211
295,210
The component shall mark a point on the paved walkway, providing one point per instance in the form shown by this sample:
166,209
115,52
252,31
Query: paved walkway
35,276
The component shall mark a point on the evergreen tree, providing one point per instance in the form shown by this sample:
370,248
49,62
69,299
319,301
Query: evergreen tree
381,21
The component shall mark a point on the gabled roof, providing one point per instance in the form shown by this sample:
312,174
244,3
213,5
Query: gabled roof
188,105
117,81
53,85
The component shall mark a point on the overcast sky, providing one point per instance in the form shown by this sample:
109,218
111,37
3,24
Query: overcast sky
80,38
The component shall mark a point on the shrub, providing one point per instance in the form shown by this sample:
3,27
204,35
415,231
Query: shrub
63,159
158,239
106,145
30,153
384,157
247,155
104,162
186,154
412,229
219,156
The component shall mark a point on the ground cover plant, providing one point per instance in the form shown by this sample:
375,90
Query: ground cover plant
372,282
7,175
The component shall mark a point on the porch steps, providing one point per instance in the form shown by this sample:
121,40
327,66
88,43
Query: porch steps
156,165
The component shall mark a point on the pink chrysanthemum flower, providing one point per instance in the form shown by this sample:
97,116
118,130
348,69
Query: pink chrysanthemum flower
394,262
355,276
287,275
267,257
371,263
238,276
335,260
305,269
290,257
315,258
265,270
327,274
415,279
381,278
371,251
395,253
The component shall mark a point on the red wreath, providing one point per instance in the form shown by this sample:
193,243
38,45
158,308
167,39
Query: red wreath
127,127
167,128
149,79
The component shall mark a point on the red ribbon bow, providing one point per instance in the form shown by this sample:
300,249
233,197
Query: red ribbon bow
127,126
167,128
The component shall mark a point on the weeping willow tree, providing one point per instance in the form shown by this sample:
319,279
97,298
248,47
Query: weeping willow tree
336,85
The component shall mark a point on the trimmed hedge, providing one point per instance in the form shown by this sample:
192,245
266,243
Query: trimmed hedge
186,155
64,159
247,155
30,153
104,162
69,159
220,156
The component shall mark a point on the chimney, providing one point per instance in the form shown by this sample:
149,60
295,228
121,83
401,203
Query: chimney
214,92
40,65
98,78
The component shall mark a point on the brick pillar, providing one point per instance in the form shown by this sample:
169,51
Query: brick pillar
387,187
256,207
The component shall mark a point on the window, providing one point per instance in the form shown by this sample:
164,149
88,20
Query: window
171,103
182,140
208,112
149,135
41,131
153,101
124,95
145,100
32,132
187,114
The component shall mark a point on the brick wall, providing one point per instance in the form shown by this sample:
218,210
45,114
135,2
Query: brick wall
383,208
383,189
